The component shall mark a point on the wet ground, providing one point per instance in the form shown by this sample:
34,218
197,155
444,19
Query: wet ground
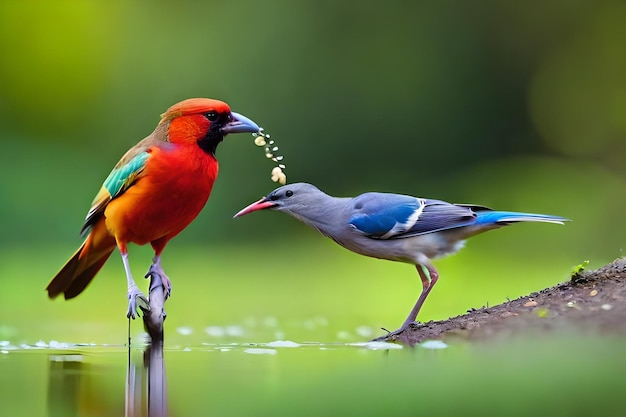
591,300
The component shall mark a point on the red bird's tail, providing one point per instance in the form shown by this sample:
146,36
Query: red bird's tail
80,269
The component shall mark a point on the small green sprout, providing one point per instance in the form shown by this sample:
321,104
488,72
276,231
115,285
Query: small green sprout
577,272
579,268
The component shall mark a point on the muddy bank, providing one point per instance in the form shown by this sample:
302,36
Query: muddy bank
591,300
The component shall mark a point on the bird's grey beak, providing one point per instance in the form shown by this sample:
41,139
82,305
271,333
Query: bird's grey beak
262,204
240,124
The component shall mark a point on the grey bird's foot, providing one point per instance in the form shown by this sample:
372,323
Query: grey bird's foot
402,328
136,299
159,278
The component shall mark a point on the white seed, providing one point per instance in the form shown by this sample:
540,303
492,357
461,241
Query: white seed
280,178
277,174
263,139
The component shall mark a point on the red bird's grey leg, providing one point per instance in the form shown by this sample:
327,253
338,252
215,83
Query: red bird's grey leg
428,282
157,269
133,290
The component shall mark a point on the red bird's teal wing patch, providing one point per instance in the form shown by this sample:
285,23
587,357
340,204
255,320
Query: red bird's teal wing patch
118,181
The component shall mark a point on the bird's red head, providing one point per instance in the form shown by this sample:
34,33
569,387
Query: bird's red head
204,121
193,106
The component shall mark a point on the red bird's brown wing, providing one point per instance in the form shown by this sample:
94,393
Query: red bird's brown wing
123,175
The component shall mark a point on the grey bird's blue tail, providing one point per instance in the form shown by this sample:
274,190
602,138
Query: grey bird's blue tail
502,218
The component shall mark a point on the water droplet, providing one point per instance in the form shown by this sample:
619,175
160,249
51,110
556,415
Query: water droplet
283,343
184,330
259,351
433,344
379,345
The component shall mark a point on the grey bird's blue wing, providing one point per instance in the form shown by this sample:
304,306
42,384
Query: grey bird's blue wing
394,216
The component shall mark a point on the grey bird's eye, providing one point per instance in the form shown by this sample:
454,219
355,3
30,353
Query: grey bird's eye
289,193
212,116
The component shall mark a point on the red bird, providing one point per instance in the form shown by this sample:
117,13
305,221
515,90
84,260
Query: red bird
156,189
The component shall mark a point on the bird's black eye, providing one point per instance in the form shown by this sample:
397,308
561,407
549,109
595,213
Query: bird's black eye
212,116
288,193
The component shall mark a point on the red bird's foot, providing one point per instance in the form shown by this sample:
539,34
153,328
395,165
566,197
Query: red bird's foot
136,299
159,278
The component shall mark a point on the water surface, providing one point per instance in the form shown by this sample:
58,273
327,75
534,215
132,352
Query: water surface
566,375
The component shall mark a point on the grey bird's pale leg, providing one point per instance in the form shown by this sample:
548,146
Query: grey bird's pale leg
133,292
429,279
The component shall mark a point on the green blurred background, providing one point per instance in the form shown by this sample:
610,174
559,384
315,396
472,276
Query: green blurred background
511,105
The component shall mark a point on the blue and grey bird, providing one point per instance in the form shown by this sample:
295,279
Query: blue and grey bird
396,227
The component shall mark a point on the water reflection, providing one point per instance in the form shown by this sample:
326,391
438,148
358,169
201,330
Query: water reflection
72,390
64,382
146,383
152,368
157,380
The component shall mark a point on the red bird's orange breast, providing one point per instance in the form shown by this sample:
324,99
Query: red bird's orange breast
171,191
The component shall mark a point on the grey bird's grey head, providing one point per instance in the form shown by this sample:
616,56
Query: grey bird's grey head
291,198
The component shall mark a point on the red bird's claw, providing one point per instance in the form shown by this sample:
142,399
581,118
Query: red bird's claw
167,284
137,300
143,303
131,314
159,279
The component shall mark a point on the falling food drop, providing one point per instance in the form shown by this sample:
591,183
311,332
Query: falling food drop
279,176
262,139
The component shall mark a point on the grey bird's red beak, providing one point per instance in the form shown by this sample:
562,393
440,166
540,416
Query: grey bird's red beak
262,204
